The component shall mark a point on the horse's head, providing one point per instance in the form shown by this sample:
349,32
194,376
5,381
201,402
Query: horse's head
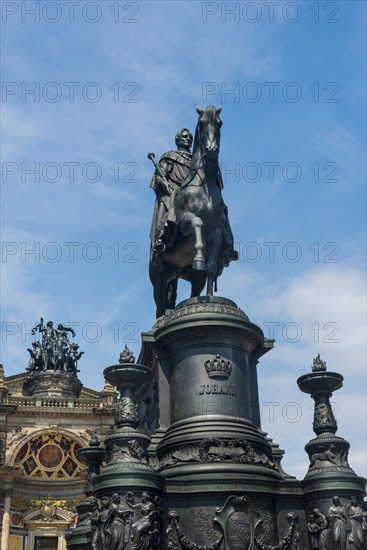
208,131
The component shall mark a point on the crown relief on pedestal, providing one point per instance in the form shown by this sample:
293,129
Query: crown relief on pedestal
218,367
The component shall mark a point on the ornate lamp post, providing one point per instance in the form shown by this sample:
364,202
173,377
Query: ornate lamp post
93,456
329,471
321,385
127,458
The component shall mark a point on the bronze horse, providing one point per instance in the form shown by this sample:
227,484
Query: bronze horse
197,255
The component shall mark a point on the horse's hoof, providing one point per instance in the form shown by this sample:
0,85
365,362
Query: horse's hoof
199,265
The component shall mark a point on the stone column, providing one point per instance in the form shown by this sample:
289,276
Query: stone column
6,517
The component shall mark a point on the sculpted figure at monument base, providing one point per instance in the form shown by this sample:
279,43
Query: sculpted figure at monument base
355,514
340,529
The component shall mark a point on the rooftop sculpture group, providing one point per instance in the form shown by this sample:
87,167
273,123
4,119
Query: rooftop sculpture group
55,352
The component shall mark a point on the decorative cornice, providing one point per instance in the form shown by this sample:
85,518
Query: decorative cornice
201,307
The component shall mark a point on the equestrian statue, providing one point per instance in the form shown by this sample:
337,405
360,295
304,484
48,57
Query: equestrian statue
191,237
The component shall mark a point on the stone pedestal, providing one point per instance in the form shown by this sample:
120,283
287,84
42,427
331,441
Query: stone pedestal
52,383
208,351
210,446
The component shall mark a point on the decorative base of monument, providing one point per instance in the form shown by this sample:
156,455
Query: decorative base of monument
218,474
215,448
210,445
53,383
328,453
237,525
209,350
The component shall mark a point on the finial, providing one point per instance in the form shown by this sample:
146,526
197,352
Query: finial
318,364
94,439
126,356
108,387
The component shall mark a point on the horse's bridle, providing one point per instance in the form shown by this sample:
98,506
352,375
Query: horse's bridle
202,165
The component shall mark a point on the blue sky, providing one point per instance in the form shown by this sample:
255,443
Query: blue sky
291,80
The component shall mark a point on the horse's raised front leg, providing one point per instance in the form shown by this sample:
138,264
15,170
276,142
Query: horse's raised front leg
212,253
191,222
